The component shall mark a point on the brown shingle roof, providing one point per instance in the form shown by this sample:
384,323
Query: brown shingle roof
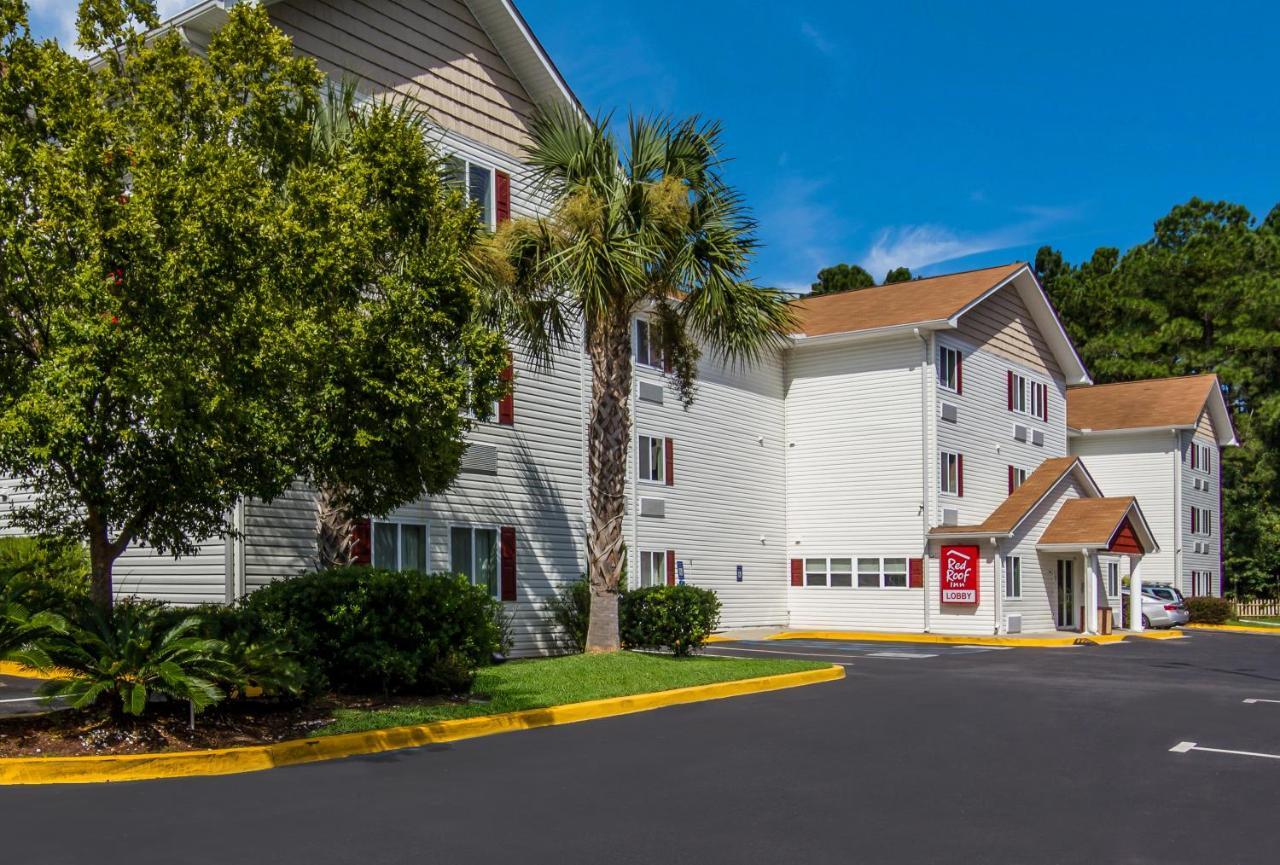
1140,404
919,300
1088,522
1012,510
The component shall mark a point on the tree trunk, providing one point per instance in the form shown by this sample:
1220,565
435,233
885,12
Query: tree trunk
608,438
335,531
102,558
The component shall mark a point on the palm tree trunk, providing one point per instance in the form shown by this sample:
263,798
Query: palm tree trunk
335,531
608,438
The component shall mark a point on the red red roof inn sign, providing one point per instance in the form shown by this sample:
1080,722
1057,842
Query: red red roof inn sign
959,575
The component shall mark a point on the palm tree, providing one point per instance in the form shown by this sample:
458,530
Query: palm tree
646,225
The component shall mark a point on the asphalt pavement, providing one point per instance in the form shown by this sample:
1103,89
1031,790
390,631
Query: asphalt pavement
1140,752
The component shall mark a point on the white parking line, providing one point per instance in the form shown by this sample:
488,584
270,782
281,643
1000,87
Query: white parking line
1184,747
898,655
1260,700
21,699
772,652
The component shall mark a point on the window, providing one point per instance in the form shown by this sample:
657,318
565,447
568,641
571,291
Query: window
872,573
1202,582
1113,579
1201,522
1017,477
651,456
653,568
815,572
1201,458
477,181
952,467
1012,576
895,573
949,368
1027,396
399,546
841,573
473,552
648,352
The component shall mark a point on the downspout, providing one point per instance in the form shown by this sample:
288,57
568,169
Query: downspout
1177,509
236,586
997,570
925,411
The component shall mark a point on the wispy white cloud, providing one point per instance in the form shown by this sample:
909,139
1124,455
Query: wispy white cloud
817,38
801,228
917,246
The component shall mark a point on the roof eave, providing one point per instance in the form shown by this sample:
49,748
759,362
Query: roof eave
799,339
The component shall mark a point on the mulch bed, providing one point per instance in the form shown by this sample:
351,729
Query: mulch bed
164,727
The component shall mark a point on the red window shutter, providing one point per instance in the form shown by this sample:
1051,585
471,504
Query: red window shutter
1044,404
671,462
1194,449
671,567
915,573
361,543
1011,487
507,405
797,572
959,373
508,563
1193,520
502,196
960,475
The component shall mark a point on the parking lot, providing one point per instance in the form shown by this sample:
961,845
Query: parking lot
952,756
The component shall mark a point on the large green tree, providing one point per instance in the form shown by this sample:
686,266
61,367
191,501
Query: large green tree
841,277
1202,295
204,300
642,225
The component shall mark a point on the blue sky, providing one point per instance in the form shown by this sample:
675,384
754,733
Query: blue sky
939,135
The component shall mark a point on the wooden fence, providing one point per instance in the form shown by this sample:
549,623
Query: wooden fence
1256,608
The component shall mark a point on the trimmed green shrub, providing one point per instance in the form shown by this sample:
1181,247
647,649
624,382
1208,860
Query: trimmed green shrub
43,575
262,657
119,659
679,618
570,612
362,630
1207,610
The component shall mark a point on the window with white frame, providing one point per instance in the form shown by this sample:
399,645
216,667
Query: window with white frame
648,352
399,546
1017,477
882,573
834,572
473,552
653,568
1201,522
951,466
477,181
1113,579
1201,458
1013,576
1028,396
815,572
949,369
651,459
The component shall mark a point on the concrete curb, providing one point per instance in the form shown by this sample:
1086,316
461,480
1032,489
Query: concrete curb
1237,629
230,761
1158,635
973,640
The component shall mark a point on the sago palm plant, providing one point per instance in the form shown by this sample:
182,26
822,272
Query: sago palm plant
649,225
23,634
120,658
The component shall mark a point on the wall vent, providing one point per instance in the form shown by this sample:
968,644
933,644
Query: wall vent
949,412
950,517
1013,623
650,392
653,507
479,460
1019,432
1037,438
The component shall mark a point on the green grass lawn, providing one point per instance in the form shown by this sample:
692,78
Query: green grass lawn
536,684
1256,621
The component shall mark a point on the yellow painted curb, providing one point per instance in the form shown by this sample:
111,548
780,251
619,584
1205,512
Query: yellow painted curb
1237,629
229,761
9,668
718,638
973,640
1158,635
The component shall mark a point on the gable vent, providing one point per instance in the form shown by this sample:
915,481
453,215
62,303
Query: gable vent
480,460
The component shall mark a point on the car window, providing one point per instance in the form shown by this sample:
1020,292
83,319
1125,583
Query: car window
1160,594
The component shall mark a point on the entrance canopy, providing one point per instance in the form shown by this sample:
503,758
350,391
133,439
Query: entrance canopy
1114,525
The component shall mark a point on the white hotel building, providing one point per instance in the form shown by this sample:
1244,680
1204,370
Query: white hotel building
823,487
